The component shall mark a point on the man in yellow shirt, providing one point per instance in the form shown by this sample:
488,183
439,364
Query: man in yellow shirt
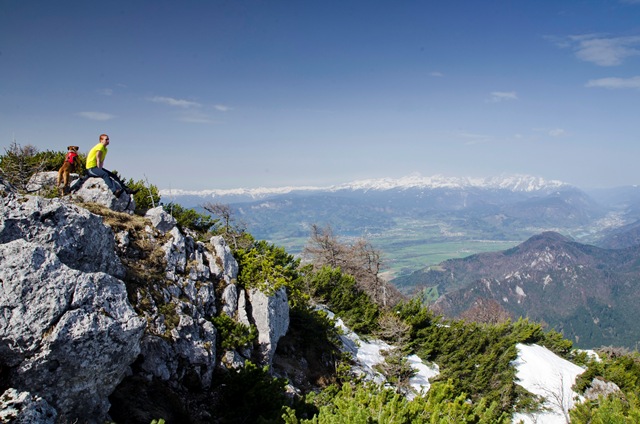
95,162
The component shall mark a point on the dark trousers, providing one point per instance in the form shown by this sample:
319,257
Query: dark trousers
109,178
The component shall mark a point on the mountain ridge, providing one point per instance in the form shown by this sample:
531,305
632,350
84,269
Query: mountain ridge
587,292
514,182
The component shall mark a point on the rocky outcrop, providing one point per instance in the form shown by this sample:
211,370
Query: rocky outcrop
85,189
78,238
66,318
225,267
270,314
601,388
160,219
180,343
86,310
43,181
95,190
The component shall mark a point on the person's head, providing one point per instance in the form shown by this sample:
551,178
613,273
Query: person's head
104,139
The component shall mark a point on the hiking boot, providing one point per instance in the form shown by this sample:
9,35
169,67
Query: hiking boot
118,192
130,191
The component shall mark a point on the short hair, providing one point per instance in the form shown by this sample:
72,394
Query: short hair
103,135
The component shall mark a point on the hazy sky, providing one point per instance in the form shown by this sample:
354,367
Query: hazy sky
226,94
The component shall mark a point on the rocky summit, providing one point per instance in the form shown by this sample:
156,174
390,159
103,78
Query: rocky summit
95,305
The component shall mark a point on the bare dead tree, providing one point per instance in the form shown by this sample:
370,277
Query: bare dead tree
233,230
557,398
360,260
324,249
221,210
393,329
486,311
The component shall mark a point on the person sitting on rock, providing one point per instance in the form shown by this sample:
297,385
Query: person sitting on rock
95,168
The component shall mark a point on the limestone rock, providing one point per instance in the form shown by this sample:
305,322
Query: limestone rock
230,300
180,344
63,327
160,219
95,190
66,315
77,237
25,408
600,387
226,266
270,314
68,334
6,188
44,180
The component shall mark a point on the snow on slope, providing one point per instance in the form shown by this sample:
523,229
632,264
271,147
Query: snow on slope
367,354
513,182
539,371
543,373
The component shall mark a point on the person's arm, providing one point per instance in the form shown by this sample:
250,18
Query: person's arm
99,160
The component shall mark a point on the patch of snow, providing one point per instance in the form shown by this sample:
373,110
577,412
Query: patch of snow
367,354
420,381
544,373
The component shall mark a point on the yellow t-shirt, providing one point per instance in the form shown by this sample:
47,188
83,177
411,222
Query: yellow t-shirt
92,160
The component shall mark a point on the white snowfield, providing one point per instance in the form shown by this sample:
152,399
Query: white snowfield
544,373
539,371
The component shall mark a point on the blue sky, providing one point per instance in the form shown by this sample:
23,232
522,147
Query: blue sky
225,94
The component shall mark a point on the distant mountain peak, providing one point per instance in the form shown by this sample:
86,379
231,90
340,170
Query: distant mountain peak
516,182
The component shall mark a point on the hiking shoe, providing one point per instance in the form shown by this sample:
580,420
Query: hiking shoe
118,192
129,191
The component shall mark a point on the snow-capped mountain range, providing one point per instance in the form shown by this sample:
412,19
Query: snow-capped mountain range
516,183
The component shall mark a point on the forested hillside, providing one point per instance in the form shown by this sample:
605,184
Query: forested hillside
586,292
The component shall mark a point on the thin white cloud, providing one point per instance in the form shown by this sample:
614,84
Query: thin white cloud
613,83
195,117
170,101
105,91
222,108
557,132
436,74
604,51
472,138
498,96
96,116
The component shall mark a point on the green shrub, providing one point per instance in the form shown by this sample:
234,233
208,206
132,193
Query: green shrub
369,403
248,395
342,296
147,195
607,410
189,218
267,268
233,334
